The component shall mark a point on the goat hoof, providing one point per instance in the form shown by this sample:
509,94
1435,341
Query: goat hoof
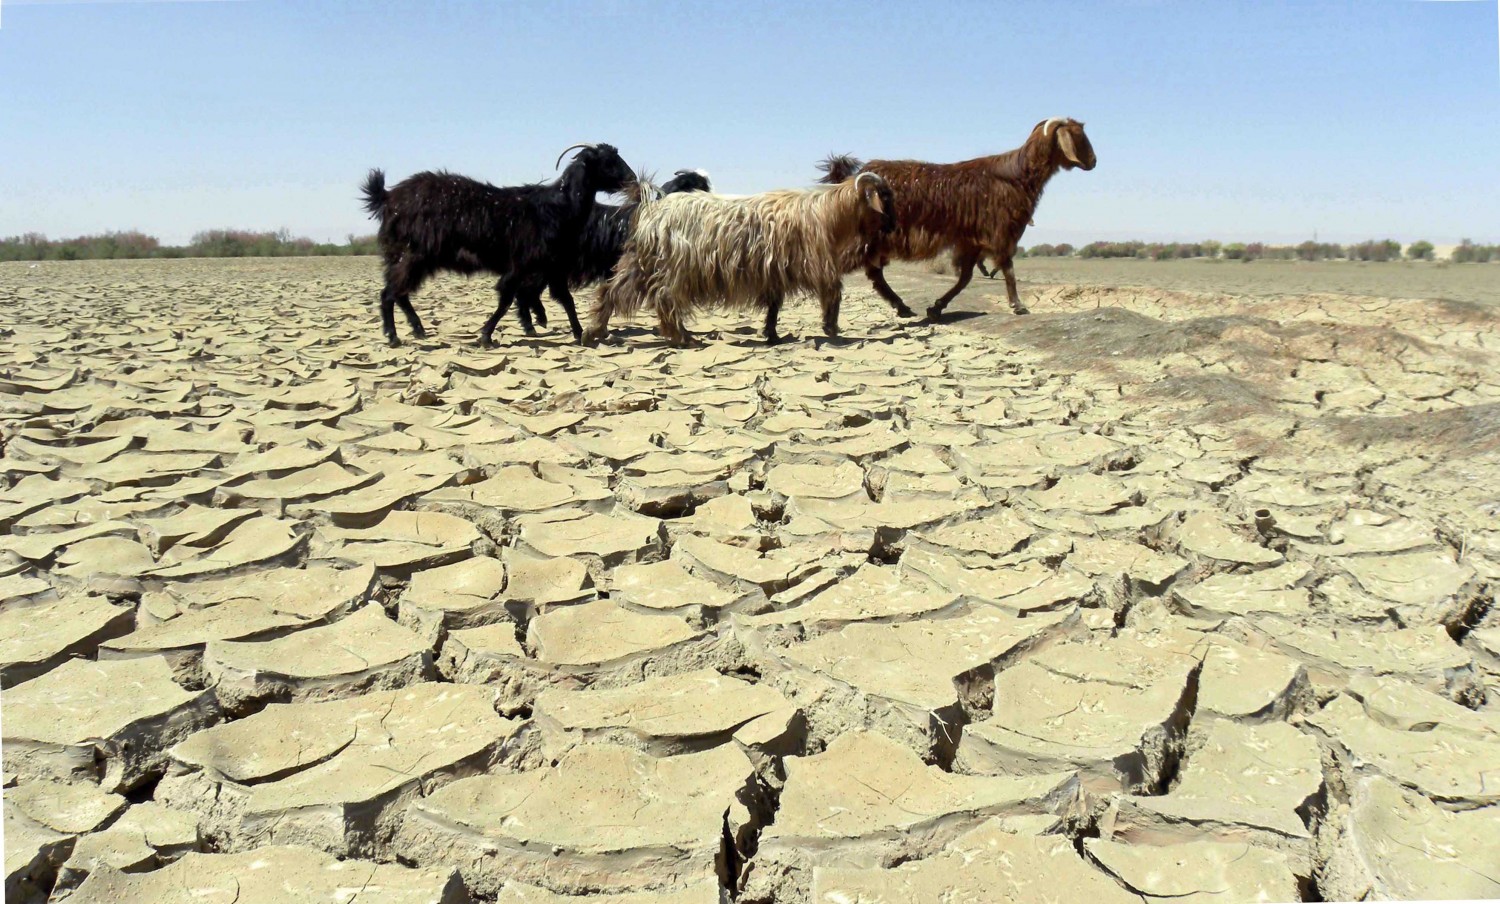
485,342
419,333
393,342
935,314
905,311
1021,310
541,318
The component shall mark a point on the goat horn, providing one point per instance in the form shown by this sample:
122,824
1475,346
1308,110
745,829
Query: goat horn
1048,126
569,148
861,177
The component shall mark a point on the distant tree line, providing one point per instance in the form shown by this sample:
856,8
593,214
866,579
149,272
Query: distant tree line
1385,250
246,243
210,243
1469,253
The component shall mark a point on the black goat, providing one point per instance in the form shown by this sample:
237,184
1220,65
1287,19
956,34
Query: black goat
528,234
603,239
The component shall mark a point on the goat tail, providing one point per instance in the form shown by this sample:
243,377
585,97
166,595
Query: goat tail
838,167
375,194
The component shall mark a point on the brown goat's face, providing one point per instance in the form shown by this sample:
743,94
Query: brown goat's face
1077,151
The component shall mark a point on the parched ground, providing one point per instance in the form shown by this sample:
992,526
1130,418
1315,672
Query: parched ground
1154,594
1392,279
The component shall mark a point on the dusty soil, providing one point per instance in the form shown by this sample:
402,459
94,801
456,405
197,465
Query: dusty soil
1478,283
1172,591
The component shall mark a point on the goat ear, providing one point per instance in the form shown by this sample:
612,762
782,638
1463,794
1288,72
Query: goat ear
1065,141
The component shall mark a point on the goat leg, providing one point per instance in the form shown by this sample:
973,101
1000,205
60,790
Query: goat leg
534,308
595,333
1010,289
677,336
877,279
529,299
965,264
404,274
669,323
523,311
388,318
506,289
988,274
830,299
411,317
598,320
560,294
773,310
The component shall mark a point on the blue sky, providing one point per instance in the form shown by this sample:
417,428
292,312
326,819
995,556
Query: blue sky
1261,119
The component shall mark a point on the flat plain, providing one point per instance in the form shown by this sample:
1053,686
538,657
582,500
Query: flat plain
1180,587
1478,283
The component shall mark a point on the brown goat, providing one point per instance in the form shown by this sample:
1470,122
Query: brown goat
976,208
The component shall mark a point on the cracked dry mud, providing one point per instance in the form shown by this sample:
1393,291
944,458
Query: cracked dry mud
1149,596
